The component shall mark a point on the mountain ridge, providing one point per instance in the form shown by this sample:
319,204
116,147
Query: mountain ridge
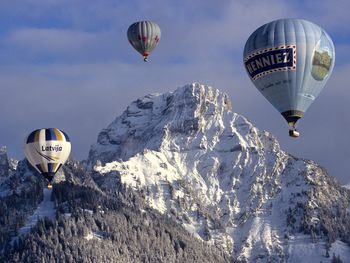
194,140
187,156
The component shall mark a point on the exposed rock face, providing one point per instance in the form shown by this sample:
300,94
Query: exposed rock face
155,120
221,178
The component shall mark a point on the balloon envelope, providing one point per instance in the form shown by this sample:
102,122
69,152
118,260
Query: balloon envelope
144,36
47,150
289,62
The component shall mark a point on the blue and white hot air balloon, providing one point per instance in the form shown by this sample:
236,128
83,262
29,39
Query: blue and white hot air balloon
289,61
144,36
47,150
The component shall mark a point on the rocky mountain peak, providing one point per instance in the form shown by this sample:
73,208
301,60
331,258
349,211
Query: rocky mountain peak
220,177
148,122
186,158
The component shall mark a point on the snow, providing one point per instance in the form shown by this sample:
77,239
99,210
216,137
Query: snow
13,164
88,211
67,215
302,249
214,170
45,209
93,235
342,249
89,236
347,186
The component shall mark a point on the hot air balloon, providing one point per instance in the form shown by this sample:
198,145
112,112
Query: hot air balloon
289,61
144,36
47,150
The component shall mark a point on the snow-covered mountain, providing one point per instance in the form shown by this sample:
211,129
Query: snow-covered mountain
77,222
222,179
178,177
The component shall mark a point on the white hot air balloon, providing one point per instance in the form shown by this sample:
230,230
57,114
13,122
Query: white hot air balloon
289,61
47,150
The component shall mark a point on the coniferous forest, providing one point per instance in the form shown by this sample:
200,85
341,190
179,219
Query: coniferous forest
92,226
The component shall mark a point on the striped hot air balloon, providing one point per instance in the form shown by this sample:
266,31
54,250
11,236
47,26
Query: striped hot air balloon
289,62
47,150
144,36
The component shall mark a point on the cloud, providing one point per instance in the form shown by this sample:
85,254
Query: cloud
55,45
51,40
332,15
68,64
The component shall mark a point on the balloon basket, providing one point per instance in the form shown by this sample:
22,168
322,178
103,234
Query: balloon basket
294,133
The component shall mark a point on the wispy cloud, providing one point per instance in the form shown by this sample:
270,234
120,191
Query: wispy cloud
68,64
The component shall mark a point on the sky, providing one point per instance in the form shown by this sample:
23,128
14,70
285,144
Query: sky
68,64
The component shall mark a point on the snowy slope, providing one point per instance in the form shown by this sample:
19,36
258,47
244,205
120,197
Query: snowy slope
45,209
303,249
221,178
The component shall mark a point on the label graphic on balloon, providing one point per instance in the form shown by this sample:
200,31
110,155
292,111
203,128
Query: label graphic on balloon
49,156
270,60
322,59
321,65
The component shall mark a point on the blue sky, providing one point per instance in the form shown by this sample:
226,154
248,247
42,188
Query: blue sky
68,64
